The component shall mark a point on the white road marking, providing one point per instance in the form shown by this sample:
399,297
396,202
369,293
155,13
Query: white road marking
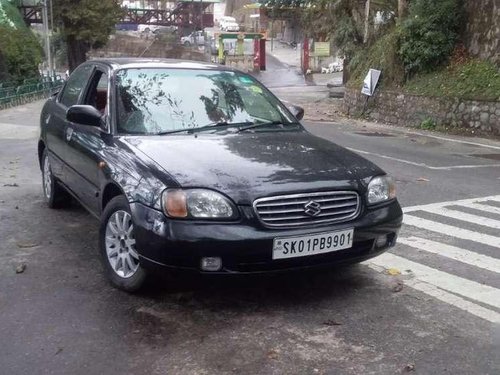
451,283
456,140
483,207
461,202
446,297
423,165
452,231
465,217
452,252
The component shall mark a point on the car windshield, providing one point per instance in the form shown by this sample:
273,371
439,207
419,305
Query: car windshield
160,100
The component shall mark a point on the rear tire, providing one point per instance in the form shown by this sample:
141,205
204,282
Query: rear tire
55,196
117,247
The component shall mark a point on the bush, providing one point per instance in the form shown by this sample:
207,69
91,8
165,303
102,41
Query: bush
21,51
428,124
470,79
382,55
429,34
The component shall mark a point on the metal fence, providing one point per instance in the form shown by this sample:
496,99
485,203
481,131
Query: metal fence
11,91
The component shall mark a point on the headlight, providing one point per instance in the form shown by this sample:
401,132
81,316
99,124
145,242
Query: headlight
197,204
381,189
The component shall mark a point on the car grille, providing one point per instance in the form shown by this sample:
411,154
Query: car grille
309,208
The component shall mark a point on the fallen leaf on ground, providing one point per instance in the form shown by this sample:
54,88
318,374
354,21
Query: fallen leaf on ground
20,268
11,185
410,367
273,354
26,245
422,179
398,287
331,322
393,272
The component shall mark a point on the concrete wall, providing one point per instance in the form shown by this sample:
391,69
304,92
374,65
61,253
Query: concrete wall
410,110
482,29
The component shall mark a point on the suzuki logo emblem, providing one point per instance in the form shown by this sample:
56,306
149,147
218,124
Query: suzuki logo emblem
312,208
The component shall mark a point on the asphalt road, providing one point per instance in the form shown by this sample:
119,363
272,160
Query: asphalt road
438,313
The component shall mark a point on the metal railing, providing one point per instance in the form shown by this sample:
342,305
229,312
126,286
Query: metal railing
11,91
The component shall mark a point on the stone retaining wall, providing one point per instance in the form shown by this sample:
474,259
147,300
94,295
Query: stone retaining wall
411,110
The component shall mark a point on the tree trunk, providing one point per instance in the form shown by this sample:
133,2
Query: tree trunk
366,34
402,7
77,52
229,7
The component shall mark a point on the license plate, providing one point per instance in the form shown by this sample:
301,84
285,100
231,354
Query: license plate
299,246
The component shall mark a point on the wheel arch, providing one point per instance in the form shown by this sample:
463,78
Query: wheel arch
41,149
111,190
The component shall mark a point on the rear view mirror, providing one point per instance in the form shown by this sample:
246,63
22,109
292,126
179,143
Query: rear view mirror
84,115
296,110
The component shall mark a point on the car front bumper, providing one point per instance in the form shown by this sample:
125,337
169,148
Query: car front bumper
246,246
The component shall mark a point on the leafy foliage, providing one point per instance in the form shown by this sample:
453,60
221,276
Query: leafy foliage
474,79
86,24
428,124
429,34
19,48
382,55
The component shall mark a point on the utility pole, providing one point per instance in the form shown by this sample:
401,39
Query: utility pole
47,36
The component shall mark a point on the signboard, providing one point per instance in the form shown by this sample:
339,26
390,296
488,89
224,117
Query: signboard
322,49
370,82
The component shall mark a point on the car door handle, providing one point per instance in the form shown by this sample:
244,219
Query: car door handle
69,133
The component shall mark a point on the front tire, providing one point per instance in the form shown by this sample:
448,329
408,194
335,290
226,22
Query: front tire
117,247
55,195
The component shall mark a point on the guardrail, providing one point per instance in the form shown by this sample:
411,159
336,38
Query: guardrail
12,92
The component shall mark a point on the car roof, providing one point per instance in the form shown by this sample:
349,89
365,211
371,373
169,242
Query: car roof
137,62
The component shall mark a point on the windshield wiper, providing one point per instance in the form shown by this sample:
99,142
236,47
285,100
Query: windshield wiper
264,124
222,124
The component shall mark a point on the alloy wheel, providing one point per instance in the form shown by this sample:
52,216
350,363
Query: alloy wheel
47,177
120,244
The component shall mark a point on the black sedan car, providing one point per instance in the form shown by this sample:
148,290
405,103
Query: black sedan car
196,166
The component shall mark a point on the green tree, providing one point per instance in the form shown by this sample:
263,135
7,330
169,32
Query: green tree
429,34
20,52
85,24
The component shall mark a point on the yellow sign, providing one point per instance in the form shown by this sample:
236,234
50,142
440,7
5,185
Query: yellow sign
321,49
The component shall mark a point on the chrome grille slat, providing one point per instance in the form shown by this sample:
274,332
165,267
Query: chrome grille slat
323,209
304,201
305,216
282,211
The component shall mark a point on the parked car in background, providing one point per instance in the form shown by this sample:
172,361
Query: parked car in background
199,167
165,34
195,38
229,24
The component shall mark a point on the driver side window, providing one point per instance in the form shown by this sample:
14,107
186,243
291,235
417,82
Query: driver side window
76,83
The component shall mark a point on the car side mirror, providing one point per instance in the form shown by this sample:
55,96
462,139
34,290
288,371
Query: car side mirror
296,110
84,115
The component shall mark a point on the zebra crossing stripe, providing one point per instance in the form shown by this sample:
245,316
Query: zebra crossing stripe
462,202
451,283
446,297
475,219
452,231
483,207
465,256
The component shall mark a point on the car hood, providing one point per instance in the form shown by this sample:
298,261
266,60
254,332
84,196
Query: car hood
247,166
